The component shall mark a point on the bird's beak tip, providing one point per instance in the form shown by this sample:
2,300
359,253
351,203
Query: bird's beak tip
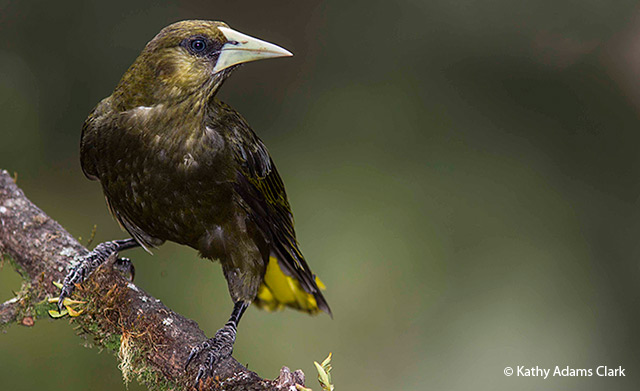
241,48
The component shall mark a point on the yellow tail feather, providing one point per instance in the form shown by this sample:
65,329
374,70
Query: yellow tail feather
279,290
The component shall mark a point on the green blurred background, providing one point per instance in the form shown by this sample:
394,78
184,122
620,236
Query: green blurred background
465,178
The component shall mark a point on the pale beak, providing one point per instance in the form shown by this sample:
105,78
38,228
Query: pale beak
243,48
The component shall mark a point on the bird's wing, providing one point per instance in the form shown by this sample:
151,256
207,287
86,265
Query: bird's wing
87,144
99,123
262,190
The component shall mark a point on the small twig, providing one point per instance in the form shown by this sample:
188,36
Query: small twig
93,235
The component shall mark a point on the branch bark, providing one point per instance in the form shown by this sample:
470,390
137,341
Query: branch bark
151,341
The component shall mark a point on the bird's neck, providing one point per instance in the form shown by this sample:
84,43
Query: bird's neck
183,116
141,87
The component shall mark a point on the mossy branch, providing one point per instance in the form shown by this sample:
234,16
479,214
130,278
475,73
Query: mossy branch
150,340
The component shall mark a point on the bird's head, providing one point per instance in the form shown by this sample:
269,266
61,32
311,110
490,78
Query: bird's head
188,59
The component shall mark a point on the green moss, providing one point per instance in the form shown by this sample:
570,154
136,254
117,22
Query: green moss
41,309
154,380
112,342
133,364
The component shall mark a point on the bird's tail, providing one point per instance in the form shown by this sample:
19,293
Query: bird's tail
279,290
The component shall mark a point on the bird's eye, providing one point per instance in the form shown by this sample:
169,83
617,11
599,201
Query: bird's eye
198,45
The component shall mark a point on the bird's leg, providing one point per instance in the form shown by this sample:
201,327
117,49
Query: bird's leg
91,262
221,345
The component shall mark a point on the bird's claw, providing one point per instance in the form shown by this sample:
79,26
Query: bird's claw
216,348
83,269
76,275
126,266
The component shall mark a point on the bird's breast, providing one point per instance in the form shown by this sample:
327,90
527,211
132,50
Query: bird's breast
173,184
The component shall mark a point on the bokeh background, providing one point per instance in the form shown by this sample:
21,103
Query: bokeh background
465,178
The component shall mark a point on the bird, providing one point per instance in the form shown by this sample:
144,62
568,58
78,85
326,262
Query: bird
177,164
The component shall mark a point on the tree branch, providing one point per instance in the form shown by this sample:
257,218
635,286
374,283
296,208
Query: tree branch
151,341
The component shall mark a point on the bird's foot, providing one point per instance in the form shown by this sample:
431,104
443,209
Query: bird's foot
216,349
87,265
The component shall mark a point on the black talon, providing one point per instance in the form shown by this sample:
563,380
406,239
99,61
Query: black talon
200,374
194,352
126,266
